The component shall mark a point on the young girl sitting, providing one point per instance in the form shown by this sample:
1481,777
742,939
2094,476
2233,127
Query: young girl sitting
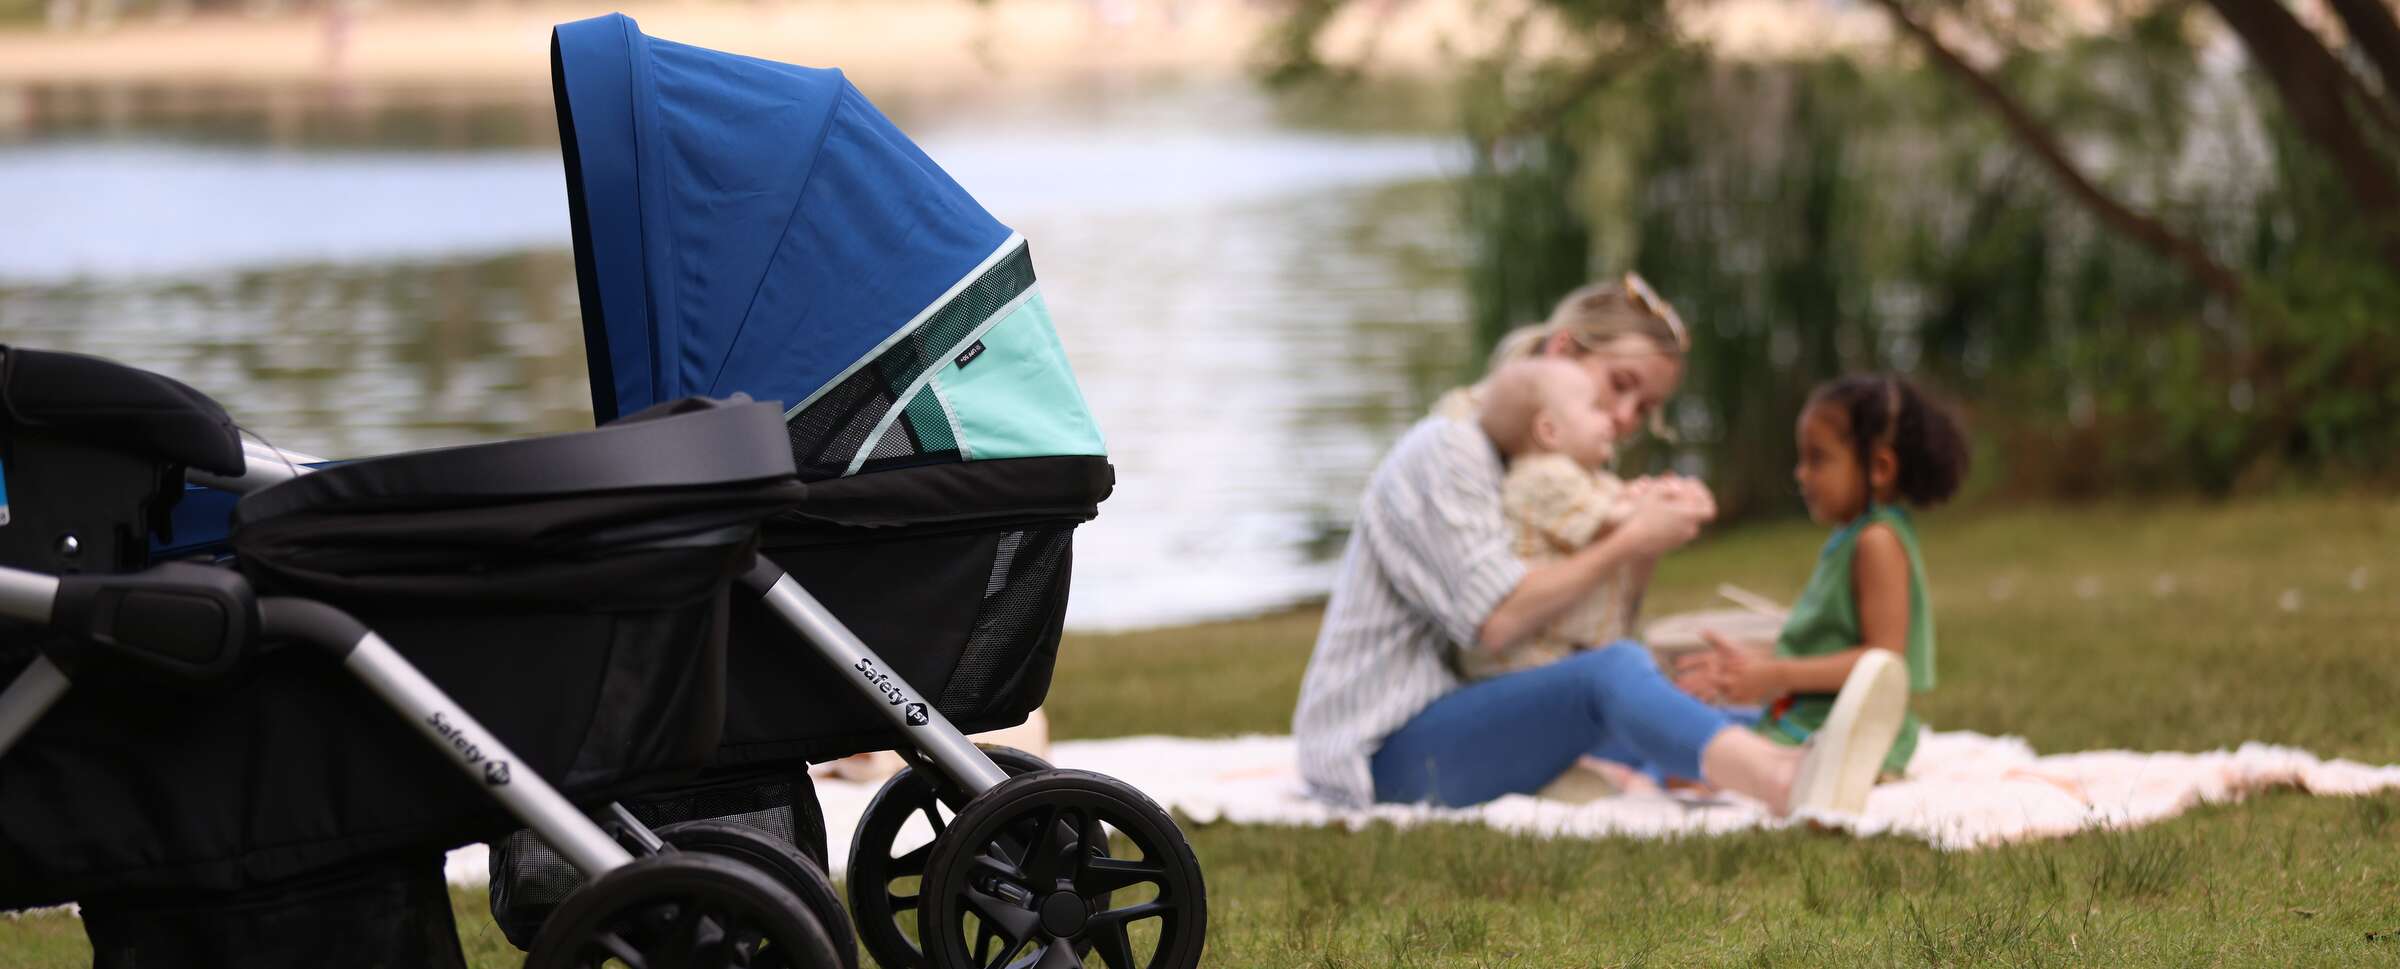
1867,444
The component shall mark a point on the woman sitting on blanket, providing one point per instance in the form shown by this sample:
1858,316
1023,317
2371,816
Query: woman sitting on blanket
1867,444
1430,575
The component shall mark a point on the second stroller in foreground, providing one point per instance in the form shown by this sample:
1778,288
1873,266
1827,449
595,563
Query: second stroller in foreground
205,791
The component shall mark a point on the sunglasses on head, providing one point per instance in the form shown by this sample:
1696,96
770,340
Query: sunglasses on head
1638,289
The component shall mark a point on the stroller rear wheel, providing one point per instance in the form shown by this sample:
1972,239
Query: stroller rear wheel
1016,881
776,857
876,863
683,909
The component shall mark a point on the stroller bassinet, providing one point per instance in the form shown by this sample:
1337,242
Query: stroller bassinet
812,254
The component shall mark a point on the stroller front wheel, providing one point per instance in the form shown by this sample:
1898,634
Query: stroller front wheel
878,868
683,909
1014,881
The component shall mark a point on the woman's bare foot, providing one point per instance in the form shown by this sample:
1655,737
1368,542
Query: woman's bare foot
1743,762
1626,778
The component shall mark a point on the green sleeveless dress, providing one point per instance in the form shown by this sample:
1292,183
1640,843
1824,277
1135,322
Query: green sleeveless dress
1825,620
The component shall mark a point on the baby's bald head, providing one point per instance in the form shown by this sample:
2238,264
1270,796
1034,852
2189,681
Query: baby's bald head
1517,394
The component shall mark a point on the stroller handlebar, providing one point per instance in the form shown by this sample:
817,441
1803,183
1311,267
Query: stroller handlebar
262,465
27,596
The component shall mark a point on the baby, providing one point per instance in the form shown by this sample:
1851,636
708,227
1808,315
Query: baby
1549,418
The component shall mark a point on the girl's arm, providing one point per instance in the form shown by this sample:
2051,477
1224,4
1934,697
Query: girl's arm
1878,583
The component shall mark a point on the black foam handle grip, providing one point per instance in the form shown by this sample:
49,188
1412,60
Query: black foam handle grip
177,620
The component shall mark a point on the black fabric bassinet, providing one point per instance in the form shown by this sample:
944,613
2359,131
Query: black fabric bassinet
570,592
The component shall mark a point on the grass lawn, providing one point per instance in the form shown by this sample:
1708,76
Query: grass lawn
2154,625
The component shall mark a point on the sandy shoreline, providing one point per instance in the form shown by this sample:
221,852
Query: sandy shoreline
911,45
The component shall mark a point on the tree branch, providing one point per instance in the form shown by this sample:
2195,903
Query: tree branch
2306,75
2372,28
2037,138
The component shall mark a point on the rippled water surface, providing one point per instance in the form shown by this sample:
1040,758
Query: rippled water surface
1255,305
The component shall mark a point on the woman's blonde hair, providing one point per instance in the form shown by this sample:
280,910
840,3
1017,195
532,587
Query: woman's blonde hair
1593,316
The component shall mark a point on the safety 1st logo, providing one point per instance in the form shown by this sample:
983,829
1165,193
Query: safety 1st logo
917,717
495,770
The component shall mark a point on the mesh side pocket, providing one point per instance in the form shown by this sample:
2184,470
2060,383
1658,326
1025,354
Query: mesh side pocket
1018,616
529,880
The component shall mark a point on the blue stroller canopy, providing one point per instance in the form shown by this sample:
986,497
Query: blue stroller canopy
748,226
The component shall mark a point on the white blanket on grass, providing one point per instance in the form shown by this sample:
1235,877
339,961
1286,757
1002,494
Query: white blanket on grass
1965,790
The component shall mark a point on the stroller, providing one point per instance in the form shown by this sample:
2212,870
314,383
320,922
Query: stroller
948,454
943,453
211,792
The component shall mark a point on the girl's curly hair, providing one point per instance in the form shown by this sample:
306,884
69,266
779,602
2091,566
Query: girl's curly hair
1923,433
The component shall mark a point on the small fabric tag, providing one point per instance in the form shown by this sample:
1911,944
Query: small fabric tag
968,355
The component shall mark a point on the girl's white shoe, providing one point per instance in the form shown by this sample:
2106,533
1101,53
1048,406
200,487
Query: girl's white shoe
1846,754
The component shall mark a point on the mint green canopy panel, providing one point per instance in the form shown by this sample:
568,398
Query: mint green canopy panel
1017,398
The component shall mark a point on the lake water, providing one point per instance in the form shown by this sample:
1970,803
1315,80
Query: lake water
1255,305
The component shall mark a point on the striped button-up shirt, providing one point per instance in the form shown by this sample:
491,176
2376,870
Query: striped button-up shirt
1428,561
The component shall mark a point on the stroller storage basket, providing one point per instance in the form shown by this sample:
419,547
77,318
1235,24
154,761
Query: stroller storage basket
569,592
529,880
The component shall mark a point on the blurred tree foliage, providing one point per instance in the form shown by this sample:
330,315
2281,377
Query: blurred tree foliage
2154,254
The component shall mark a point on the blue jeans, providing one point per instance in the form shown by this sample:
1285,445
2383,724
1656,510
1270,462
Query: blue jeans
1513,734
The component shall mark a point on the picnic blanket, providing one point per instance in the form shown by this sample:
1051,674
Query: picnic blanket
1965,791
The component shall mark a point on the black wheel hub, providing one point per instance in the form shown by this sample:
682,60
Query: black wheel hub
1064,914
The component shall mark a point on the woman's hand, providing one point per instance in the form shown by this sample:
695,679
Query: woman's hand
1662,519
1690,493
